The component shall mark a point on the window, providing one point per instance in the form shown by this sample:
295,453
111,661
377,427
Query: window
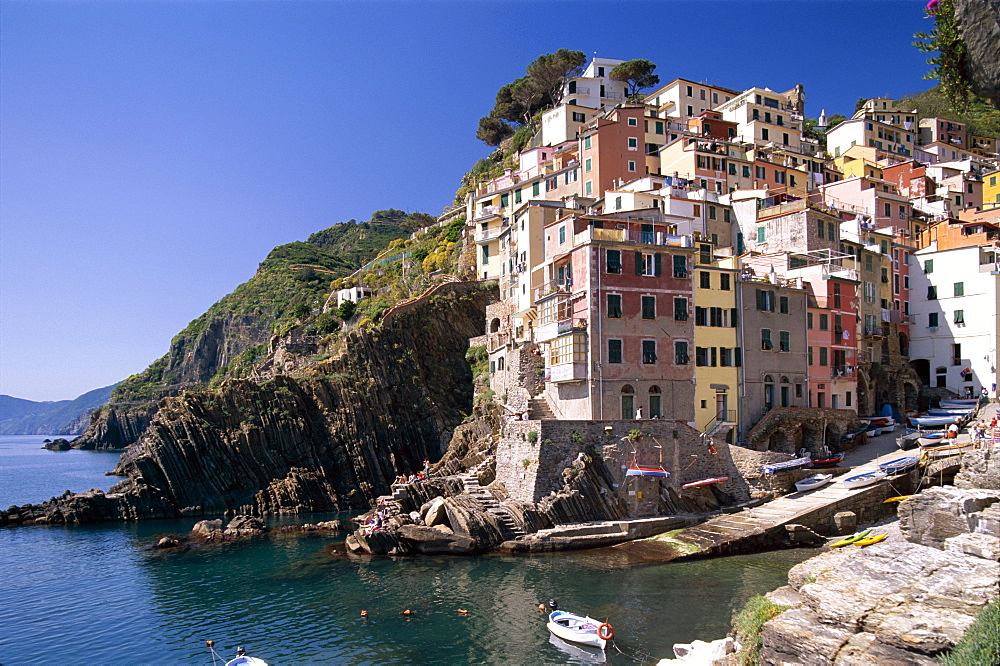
572,87
680,309
784,344
586,143
725,357
820,226
649,351
765,339
711,213
824,322
681,353
659,127
614,261
931,292
647,264
568,349
831,231
759,172
579,117
486,254
504,200
614,306
700,316
649,307
631,165
956,354
680,266
701,357
746,170
783,304
761,234
885,276
588,187
929,266
960,317
764,134
633,143
705,279
779,177
690,91
724,281
517,196
932,320
633,122
824,356
784,135
536,188
809,320
960,289
765,300
614,351
588,165
562,234
809,354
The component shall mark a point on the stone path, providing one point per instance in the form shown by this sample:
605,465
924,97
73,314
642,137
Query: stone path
726,533
486,500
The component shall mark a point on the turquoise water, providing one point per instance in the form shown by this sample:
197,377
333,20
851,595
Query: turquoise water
99,595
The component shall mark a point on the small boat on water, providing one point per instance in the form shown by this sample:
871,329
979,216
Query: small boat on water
241,658
829,460
580,629
899,465
846,541
862,480
869,540
813,482
707,481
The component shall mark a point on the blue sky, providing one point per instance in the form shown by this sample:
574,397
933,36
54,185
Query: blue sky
152,153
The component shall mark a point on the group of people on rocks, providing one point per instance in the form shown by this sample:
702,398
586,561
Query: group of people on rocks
983,432
404,479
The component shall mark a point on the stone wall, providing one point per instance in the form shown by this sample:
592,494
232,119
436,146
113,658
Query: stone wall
789,429
671,445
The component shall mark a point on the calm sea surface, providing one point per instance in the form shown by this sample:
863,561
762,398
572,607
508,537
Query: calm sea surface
99,595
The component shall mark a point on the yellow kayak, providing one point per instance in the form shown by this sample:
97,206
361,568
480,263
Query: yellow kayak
851,539
896,499
867,541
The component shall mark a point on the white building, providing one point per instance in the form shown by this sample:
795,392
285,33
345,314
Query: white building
595,88
355,294
954,313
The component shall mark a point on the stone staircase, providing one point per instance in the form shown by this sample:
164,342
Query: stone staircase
539,410
486,500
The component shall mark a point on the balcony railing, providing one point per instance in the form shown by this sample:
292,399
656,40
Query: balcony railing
488,211
634,236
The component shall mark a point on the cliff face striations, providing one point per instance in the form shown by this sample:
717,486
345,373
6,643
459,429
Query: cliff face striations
332,439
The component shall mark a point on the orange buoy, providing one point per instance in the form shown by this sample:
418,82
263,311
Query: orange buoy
407,612
209,643
462,611
541,608
364,613
605,632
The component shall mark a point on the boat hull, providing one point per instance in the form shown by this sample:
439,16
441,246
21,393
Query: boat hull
862,480
812,482
833,461
575,629
899,465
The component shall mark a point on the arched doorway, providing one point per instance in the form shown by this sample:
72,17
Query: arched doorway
628,403
768,393
785,392
655,408
923,369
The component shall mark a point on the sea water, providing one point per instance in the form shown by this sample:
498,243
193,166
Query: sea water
99,594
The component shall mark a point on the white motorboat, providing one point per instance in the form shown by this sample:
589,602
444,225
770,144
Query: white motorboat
241,658
580,629
931,438
814,481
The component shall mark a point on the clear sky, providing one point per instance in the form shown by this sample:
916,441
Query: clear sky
152,153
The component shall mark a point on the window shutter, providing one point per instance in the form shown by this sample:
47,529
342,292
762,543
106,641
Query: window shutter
732,316
656,265
738,356
638,263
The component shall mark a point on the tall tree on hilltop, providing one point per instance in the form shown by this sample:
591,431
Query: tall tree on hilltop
551,71
638,74
520,100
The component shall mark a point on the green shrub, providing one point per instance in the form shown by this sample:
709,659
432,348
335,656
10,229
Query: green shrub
748,624
532,436
981,643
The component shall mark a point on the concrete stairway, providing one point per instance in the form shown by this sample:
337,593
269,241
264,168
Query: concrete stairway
539,410
486,500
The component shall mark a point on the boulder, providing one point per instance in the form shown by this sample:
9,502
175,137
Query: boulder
701,652
167,542
798,637
985,546
430,540
58,444
467,518
435,514
937,514
245,526
380,542
207,529
980,469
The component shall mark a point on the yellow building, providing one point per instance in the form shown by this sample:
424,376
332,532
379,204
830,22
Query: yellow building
991,190
717,354
858,161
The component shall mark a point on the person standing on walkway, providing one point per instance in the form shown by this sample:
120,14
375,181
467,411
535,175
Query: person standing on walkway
953,431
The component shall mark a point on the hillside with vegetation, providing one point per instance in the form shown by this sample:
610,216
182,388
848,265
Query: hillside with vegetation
980,117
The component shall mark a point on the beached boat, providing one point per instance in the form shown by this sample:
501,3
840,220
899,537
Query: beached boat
848,437
945,451
829,460
908,441
862,480
785,465
846,541
899,465
930,438
931,421
869,540
704,482
647,471
959,402
813,482
580,629
938,411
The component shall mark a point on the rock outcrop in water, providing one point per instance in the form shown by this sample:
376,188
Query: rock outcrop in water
331,440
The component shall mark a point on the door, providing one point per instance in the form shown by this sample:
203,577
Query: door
628,407
722,406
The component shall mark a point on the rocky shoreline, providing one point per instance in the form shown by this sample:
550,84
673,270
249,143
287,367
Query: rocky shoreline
906,600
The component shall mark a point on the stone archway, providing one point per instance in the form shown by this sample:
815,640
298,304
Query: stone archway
911,394
780,441
832,437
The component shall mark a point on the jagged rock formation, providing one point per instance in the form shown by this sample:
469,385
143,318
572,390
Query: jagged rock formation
116,426
979,22
332,440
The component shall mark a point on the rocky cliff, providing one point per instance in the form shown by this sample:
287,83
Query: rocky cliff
332,439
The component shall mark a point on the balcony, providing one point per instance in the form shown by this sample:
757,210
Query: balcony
842,372
567,372
486,212
491,233
554,329
633,236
